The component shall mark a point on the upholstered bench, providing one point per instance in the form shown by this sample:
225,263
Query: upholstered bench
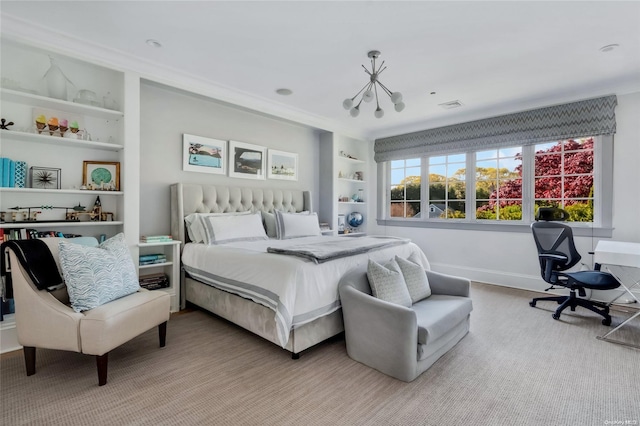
401,341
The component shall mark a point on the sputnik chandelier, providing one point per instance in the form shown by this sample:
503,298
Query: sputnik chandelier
370,90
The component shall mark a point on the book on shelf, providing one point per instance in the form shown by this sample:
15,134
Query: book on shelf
152,262
7,234
156,238
154,281
155,256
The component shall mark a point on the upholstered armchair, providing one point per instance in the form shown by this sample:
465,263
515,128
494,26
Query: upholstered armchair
45,319
402,341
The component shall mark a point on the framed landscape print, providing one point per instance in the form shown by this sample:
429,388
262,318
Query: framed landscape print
206,155
282,165
247,161
101,175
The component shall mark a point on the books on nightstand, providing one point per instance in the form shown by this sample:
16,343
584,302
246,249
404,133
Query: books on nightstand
156,239
150,259
154,281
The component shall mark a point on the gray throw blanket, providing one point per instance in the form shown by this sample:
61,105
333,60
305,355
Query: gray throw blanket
340,247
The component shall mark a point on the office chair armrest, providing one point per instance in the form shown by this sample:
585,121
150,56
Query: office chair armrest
554,257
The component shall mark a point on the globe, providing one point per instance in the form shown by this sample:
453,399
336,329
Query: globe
355,219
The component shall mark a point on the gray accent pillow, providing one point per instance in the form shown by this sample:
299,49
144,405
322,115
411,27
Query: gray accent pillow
387,283
97,275
415,278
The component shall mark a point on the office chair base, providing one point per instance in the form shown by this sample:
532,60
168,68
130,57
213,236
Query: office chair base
572,302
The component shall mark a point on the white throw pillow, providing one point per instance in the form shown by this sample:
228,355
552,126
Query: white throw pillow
294,225
97,275
195,227
230,228
415,278
387,283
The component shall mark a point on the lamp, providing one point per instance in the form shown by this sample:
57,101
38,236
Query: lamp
370,90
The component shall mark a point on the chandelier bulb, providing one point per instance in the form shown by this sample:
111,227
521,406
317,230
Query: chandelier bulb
396,97
399,106
379,113
347,104
368,96
355,111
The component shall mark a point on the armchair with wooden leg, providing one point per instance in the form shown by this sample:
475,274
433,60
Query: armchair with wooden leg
52,319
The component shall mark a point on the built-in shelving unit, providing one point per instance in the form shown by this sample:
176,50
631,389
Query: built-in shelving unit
171,249
343,180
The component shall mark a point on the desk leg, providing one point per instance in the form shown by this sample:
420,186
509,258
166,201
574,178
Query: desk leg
606,336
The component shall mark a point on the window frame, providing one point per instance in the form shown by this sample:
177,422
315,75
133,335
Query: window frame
602,203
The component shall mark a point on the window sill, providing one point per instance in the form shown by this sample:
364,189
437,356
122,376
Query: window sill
579,230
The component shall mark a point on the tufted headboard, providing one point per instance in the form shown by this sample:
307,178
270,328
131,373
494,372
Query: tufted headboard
187,198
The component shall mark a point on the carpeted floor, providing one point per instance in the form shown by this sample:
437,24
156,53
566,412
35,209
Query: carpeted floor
517,366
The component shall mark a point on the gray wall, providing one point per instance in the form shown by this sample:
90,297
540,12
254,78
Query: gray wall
167,113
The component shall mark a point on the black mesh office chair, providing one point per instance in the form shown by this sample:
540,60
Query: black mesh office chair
557,253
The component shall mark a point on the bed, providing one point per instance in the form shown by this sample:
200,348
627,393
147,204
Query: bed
291,301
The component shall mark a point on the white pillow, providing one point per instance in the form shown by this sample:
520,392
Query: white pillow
387,283
195,227
229,228
415,277
270,222
292,225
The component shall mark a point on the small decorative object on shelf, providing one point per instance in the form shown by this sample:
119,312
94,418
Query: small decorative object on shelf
345,155
56,81
341,223
355,219
45,177
5,125
97,209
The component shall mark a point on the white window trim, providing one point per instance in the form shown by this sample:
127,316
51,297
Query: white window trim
603,202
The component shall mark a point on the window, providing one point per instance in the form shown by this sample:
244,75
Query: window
405,188
502,185
563,176
447,189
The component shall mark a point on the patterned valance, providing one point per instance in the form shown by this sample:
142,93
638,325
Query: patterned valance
592,117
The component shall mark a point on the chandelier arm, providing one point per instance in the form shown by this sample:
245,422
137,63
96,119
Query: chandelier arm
361,90
387,91
375,88
366,70
381,65
380,70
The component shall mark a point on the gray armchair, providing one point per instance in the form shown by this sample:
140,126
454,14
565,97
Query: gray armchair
399,341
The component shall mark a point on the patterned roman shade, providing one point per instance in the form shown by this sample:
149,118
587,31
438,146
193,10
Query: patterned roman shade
591,117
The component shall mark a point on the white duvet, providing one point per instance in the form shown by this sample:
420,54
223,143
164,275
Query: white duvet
296,289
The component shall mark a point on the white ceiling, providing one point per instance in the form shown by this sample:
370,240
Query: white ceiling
494,57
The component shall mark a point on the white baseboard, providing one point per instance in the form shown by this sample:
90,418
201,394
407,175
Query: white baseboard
523,281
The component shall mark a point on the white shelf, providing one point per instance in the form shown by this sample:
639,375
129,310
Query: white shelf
352,202
60,191
352,180
352,234
154,265
351,160
37,225
71,107
57,140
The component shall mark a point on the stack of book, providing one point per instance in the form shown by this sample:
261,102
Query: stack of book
156,239
324,226
154,281
150,259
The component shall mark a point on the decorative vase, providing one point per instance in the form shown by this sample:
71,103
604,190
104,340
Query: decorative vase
56,81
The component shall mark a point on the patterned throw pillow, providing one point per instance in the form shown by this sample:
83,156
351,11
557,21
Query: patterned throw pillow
387,283
97,275
415,278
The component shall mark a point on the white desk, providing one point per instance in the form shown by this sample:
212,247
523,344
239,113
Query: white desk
618,256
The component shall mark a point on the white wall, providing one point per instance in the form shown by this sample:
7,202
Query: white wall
509,258
167,113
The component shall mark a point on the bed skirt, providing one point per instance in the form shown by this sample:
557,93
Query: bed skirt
259,319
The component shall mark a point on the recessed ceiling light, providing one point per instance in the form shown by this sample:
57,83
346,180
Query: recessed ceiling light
284,92
609,47
153,43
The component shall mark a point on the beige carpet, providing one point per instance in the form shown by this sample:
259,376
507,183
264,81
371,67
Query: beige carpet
517,366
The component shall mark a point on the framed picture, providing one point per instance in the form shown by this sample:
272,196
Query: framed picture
204,155
44,177
101,175
282,165
246,160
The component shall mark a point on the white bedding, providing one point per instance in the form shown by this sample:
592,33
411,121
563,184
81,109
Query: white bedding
296,289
